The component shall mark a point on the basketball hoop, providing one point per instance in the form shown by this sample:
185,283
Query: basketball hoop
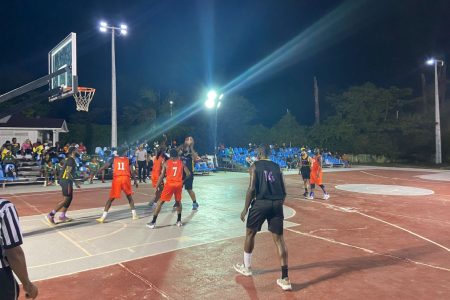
83,98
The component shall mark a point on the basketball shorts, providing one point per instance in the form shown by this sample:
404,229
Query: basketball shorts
9,288
316,179
262,210
119,184
170,190
67,187
188,184
306,173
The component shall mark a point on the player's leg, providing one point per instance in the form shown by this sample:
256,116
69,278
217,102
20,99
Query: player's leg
276,228
126,188
139,171
188,186
166,195
178,193
63,205
105,210
326,196
114,193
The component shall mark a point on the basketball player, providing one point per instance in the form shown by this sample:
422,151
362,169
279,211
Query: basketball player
121,182
66,182
317,176
173,171
305,170
265,197
188,155
156,172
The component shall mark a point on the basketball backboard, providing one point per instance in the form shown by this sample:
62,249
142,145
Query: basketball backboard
62,56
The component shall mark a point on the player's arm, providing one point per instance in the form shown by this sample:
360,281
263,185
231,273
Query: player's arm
133,175
161,176
283,186
250,192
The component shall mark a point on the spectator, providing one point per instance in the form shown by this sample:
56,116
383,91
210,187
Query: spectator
12,258
27,148
141,156
149,165
5,148
66,148
82,148
15,147
37,150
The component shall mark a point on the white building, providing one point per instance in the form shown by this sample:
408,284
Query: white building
22,128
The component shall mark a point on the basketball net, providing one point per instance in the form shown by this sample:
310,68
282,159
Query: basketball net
83,98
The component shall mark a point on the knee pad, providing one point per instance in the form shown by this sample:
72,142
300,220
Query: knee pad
67,202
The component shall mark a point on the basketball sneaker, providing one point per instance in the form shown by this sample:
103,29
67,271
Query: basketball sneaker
100,220
65,219
285,284
151,225
240,268
135,217
50,220
326,197
179,224
195,206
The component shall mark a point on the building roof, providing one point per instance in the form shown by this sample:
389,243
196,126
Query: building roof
21,122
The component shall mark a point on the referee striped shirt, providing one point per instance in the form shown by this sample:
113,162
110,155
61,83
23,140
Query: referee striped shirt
10,233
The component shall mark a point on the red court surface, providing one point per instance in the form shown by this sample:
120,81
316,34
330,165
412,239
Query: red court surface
353,246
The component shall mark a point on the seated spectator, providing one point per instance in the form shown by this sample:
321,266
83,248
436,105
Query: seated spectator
82,148
66,148
38,149
93,166
9,164
27,148
15,147
4,149
49,173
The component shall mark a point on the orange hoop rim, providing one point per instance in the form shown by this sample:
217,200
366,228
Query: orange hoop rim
80,89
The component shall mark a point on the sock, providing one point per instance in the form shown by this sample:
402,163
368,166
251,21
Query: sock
194,201
179,218
133,212
284,272
311,194
105,213
52,213
154,219
63,214
247,259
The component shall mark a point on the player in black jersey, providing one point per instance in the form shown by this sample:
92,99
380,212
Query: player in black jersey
265,197
305,163
188,155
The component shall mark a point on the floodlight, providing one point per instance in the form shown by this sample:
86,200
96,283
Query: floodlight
212,94
210,103
103,24
220,97
219,103
123,31
123,26
431,61
171,102
103,29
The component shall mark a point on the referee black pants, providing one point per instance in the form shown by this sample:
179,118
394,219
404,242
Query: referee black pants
142,168
9,289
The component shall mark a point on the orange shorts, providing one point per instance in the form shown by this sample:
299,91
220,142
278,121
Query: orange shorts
119,184
171,189
154,181
316,179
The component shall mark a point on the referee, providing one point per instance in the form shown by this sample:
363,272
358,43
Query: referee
12,258
266,194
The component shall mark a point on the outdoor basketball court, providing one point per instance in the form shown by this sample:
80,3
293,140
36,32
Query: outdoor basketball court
383,234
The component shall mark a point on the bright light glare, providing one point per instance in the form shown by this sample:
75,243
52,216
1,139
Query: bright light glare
220,97
103,29
123,31
210,103
123,26
103,24
212,94
171,102
431,61
219,104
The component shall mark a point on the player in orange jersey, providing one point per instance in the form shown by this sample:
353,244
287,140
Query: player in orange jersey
121,182
156,172
317,176
173,171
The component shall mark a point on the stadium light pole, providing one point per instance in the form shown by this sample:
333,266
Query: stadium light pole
171,108
211,103
437,62
123,30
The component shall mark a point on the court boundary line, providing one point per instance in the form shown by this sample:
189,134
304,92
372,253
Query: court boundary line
353,210
147,282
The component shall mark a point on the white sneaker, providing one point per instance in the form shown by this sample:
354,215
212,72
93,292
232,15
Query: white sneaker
326,197
179,224
285,284
309,198
151,225
240,268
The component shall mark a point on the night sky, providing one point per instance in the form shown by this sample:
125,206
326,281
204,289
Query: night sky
189,46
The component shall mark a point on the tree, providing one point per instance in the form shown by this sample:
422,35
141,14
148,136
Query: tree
288,131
